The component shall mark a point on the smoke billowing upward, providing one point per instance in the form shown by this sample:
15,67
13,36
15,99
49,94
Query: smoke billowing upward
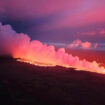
19,45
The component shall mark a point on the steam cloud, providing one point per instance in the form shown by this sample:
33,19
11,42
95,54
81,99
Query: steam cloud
19,45
84,45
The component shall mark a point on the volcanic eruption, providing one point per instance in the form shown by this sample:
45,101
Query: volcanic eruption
20,46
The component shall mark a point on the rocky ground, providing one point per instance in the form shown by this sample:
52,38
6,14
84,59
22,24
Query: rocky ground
25,84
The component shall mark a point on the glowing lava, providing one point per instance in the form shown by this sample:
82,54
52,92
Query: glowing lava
80,65
35,63
19,45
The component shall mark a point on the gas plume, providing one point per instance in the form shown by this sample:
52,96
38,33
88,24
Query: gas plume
19,45
83,45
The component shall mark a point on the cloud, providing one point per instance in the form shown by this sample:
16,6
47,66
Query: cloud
95,45
66,13
48,18
79,43
85,45
97,33
102,32
19,45
92,33
79,17
75,43
21,9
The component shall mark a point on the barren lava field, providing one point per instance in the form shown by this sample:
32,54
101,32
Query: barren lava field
25,84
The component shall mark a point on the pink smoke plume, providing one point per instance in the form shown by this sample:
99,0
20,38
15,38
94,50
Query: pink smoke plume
84,45
95,45
19,45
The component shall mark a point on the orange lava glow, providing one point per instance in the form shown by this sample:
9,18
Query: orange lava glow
84,65
19,45
42,55
35,63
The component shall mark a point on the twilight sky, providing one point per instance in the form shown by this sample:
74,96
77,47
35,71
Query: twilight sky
56,20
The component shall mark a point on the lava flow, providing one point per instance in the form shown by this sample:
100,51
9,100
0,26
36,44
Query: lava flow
19,45
68,62
35,62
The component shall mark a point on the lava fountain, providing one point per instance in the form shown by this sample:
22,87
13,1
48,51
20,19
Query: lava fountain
19,45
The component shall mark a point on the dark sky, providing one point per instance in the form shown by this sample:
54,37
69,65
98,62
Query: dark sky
56,20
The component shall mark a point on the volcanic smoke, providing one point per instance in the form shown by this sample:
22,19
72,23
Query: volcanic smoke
19,45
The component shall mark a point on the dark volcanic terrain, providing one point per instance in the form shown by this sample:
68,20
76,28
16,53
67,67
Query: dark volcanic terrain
25,84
